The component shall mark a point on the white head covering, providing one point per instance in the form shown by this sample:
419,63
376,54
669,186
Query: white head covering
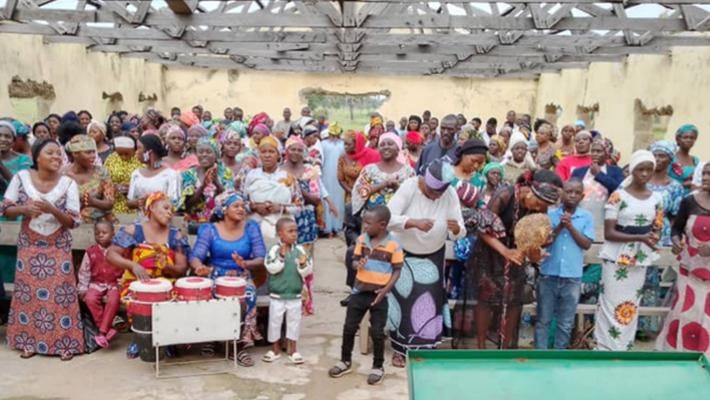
124,142
8,125
639,156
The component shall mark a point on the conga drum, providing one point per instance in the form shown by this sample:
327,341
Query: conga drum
140,307
230,286
193,288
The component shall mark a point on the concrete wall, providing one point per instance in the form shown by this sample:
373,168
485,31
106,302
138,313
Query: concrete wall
79,78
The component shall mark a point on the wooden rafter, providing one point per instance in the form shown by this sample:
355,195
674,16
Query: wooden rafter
367,36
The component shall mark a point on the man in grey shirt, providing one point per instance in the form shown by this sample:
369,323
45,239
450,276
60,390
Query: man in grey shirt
284,125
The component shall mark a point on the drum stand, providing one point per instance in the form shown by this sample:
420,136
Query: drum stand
185,322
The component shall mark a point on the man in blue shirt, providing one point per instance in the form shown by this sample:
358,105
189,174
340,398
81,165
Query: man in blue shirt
560,280
438,149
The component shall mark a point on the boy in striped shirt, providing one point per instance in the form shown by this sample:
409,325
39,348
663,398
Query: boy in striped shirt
378,259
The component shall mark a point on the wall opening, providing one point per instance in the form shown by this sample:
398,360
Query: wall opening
30,100
588,114
350,110
650,124
113,102
552,113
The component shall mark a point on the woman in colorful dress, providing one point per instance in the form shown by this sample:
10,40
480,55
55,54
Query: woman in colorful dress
377,183
44,315
413,142
632,227
687,326
425,212
546,150
97,131
333,148
120,165
154,176
356,157
684,164
496,268
493,173
600,179
201,184
232,245
231,143
581,158
177,158
96,190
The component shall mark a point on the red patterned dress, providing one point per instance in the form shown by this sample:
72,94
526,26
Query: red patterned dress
687,327
44,316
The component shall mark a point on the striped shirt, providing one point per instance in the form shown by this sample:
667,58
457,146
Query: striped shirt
380,261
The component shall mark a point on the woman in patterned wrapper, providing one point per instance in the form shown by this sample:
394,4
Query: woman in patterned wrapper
632,227
44,316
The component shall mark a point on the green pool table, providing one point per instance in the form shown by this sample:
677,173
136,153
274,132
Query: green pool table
537,375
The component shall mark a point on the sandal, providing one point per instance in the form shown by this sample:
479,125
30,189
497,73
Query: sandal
67,357
27,354
398,361
376,376
296,358
340,369
244,359
270,356
207,350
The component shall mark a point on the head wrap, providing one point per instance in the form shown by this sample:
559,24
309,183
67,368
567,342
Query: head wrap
152,199
607,144
153,143
438,175
223,201
128,126
261,129
639,157
583,133
211,143
494,166
414,137
238,126
9,126
580,123
375,121
309,130
545,185
189,118
258,119
518,139
393,137
468,194
20,128
70,116
96,125
124,142
295,140
267,141
81,143
175,130
154,117
686,128
473,146
334,129
199,129
665,146
502,147
363,155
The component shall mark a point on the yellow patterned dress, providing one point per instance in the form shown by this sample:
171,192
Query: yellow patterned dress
120,171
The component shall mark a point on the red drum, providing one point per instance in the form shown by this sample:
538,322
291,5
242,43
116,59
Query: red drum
144,293
230,286
193,288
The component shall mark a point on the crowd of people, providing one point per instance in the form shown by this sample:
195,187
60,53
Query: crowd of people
258,193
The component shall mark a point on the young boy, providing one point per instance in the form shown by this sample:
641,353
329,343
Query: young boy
288,265
98,278
560,280
378,259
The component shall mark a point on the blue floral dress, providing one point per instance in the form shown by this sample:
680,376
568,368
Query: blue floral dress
213,251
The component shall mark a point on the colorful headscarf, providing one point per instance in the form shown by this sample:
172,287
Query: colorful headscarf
438,175
223,201
267,141
258,119
81,143
295,140
260,128
665,146
375,121
580,123
152,199
686,128
334,129
414,137
494,166
175,130
201,130
363,155
154,117
211,143
20,128
10,126
189,118
544,184
238,126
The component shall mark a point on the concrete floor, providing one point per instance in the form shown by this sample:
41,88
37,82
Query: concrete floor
108,374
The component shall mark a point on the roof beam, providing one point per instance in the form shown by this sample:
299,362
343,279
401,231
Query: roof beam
182,7
10,7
